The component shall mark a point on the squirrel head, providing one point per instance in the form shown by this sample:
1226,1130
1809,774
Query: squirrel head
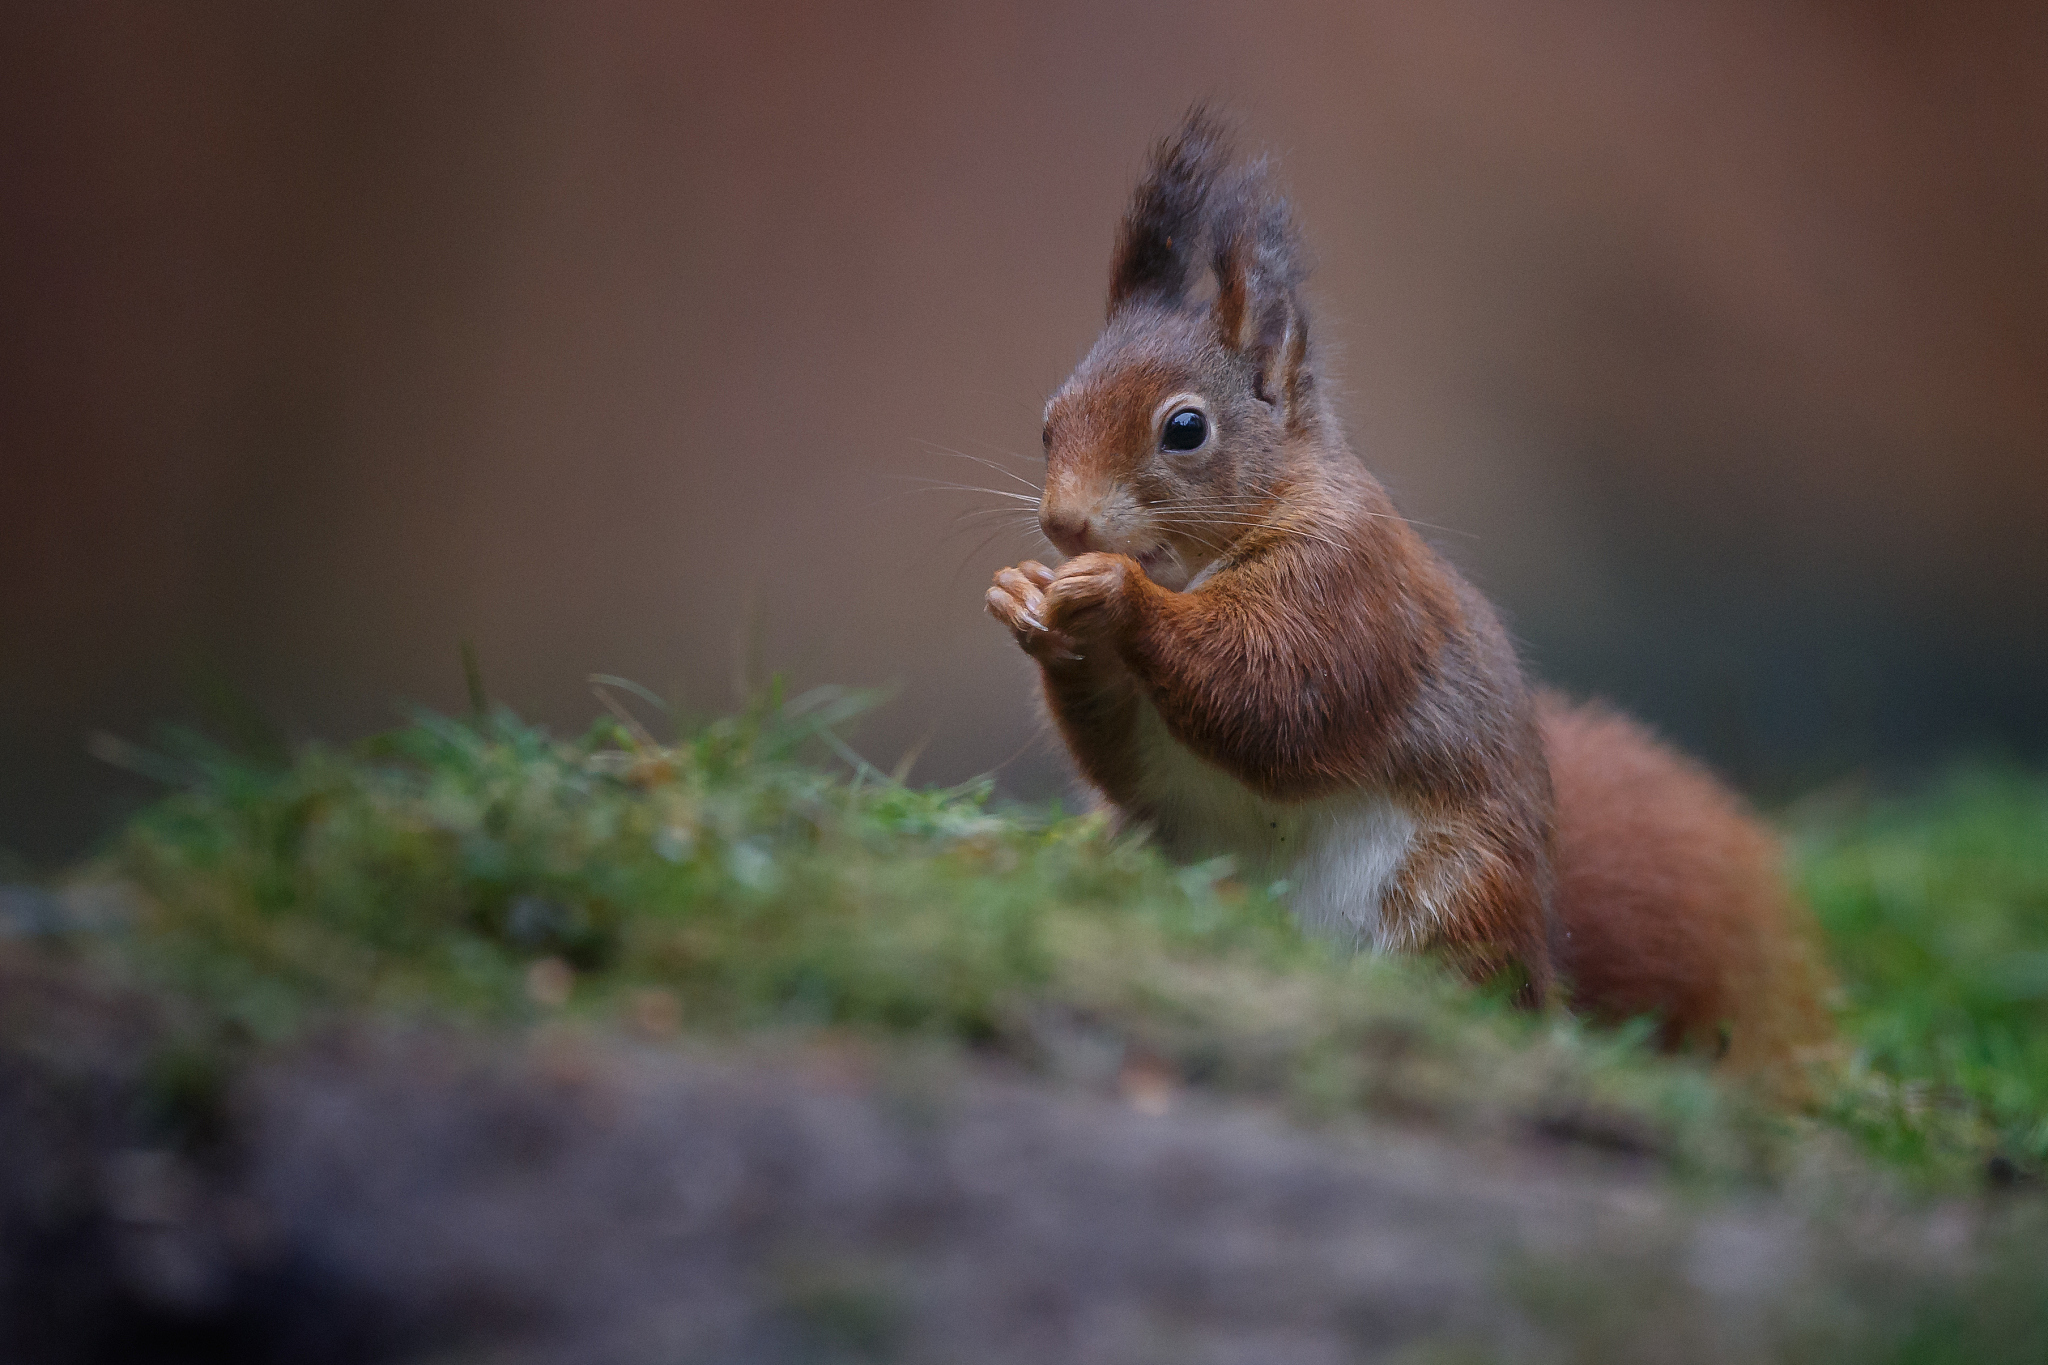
1176,431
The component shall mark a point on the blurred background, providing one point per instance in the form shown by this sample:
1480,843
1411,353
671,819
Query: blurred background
605,335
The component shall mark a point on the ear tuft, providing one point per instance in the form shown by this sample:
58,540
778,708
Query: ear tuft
1156,249
1258,259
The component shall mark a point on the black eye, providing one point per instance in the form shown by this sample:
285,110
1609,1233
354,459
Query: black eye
1185,430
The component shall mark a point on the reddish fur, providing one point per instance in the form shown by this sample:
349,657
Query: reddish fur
1671,900
1332,650
1328,650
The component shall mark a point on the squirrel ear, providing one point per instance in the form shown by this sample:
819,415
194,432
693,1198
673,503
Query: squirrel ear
1257,310
1157,246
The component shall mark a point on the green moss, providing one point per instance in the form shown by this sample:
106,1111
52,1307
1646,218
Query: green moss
743,880
733,881
1935,908
485,870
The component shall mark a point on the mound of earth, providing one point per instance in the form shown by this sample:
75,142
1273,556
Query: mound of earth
380,1194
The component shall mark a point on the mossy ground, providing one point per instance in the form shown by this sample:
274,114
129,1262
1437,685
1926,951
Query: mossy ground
753,877
1935,909
726,883
743,877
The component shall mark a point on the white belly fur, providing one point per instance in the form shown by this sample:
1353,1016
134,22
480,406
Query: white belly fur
1338,854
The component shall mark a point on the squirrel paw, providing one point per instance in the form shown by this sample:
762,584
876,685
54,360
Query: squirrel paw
1083,597
1018,601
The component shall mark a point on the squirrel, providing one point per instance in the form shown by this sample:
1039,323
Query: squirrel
1249,652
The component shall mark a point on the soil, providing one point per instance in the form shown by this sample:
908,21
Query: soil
426,1195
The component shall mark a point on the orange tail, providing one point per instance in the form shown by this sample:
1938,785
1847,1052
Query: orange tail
1672,903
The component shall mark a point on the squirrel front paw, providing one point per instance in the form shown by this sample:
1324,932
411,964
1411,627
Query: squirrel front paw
1018,601
1085,597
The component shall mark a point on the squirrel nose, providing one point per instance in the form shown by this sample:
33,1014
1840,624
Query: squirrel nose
1067,529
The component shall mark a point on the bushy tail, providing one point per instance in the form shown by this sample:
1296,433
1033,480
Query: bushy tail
1672,903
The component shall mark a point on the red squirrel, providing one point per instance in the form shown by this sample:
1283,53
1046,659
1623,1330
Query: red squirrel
1248,651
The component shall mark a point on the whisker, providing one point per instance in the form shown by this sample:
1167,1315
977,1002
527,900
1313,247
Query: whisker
1007,537
1200,523
958,487
1006,472
1209,519
942,486
1228,505
1044,729
1016,518
1223,502
1432,526
1027,460
889,498
986,541
1006,509
1266,499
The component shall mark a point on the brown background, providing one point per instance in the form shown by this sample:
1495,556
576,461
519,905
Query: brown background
338,334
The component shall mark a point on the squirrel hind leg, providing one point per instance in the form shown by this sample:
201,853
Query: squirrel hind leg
1672,903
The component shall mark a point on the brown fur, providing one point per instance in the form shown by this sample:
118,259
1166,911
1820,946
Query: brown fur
1672,902
1290,630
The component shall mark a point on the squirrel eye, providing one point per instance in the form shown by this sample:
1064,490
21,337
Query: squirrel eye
1185,430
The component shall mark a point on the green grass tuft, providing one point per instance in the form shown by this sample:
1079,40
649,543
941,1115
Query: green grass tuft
737,881
481,869
1935,908
757,877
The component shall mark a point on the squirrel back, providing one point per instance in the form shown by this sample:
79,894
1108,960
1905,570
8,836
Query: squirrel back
1250,652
